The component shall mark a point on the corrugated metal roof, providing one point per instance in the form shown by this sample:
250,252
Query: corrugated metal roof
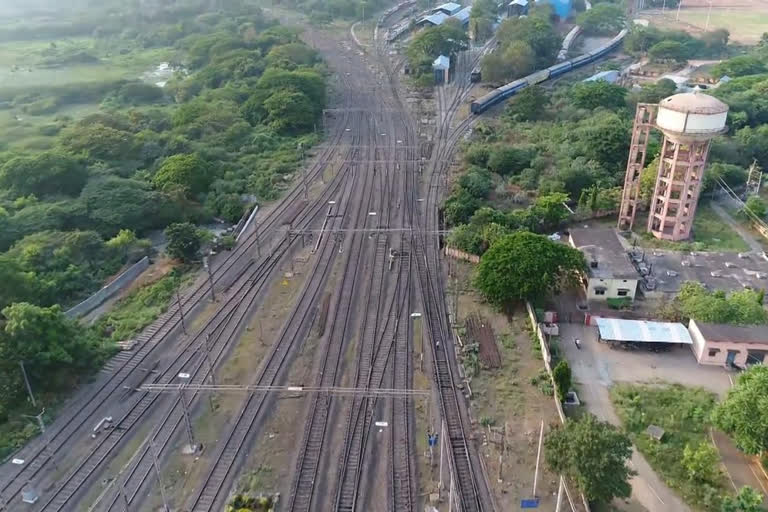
734,333
616,329
435,19
524,3
463,15
450,7
608,76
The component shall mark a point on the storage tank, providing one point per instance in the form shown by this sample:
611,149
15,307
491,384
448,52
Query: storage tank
689,121
691,116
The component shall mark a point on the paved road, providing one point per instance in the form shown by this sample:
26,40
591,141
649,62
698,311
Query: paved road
594,379
753,243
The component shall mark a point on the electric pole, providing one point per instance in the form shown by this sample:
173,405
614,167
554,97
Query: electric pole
207,265
181,311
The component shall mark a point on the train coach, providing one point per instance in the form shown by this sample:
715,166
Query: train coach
502,93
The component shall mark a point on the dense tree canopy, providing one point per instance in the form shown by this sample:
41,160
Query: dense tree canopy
525,44
744,412
48,173
742,307
525,266
183,241
602,19
599,93
429,43
592,453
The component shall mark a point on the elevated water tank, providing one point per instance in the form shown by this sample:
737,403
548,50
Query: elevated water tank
691,116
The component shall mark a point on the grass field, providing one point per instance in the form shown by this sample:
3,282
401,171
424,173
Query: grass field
710,233
745,25
683,413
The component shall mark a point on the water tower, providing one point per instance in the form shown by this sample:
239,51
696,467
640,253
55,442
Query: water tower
688,121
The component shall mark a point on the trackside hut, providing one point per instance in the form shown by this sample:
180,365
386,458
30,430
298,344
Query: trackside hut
615,330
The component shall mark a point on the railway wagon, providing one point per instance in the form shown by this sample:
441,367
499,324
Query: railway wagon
502,93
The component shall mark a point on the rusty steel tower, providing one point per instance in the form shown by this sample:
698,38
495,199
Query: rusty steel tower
688,121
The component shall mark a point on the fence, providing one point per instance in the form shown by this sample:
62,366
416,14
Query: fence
461,255
547,357
118,284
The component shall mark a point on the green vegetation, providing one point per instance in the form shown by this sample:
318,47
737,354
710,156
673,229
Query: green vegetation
593,454
482,17
93,159
525,266
744,307
429,43
744,412
603,19
561,373
525,44
675,45
684,457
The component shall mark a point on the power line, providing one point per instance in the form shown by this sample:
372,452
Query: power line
246,388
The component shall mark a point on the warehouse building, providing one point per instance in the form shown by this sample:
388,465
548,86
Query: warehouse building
609,275
729,345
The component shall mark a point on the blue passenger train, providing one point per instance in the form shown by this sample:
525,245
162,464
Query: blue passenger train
502,93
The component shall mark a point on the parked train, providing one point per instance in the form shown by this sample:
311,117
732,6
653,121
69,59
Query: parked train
502,93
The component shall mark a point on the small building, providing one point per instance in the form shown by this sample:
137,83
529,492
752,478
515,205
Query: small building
611,76
729,345
517,8
441,68
610,275
433,20
616,330
449,8
463,16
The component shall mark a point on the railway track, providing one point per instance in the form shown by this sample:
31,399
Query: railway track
301,496
140,472
87,407
218,334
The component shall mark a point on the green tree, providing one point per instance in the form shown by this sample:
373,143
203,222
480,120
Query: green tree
747,500
506,160
530,104
524,266
183,241
562,376
98,141
537,32
51,345
189,173
289,112
668,50
602,19
702,463
44,174
593,454
744,412
756,206
598,93
742,307
741,65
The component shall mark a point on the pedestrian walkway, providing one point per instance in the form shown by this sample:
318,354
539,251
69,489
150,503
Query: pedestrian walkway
741,469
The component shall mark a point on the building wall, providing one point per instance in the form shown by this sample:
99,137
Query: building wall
612,287
719,350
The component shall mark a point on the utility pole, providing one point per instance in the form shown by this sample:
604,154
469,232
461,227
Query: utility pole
181,311
679,3
187,421
709,13
210,369
256,232
26,381
159,477
207,265
303,170
538,457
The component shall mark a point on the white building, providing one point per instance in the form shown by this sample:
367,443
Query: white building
609,274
